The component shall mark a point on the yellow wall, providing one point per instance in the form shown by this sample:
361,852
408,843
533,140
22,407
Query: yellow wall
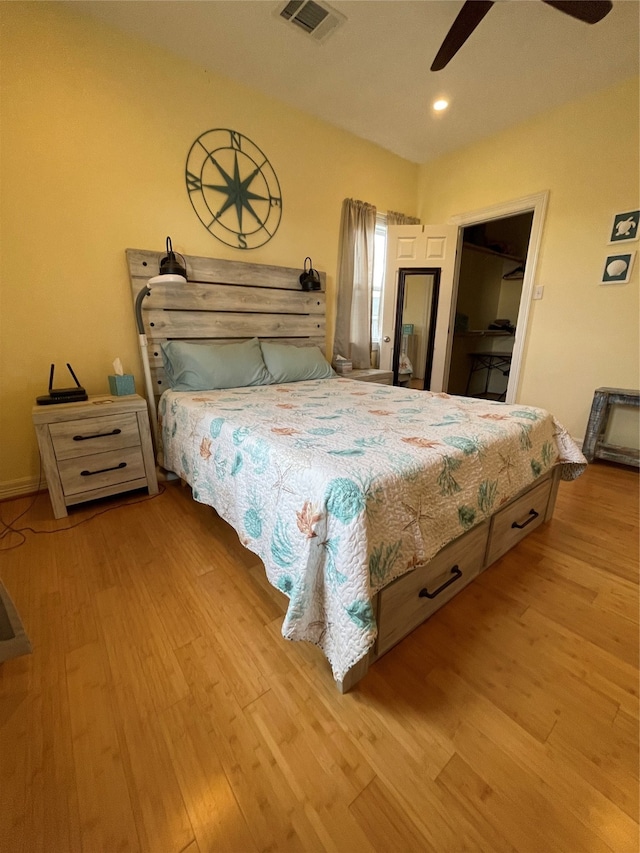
582,335
95,129
94,133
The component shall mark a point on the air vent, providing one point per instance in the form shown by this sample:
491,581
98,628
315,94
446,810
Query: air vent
317,20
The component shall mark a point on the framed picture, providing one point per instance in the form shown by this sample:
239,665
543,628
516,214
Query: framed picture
617,268
624,227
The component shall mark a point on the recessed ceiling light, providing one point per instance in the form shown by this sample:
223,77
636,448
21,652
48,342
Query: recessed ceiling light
440,104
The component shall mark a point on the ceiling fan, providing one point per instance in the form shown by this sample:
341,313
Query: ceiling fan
473,11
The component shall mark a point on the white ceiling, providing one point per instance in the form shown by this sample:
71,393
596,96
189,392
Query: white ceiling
371,76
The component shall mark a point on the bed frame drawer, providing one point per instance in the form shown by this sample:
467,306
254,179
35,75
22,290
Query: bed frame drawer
517,520
94,435
411,599
100,470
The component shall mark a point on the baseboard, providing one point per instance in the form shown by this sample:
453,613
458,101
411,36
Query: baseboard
17,488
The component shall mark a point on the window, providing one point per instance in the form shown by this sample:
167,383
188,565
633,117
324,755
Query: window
379,264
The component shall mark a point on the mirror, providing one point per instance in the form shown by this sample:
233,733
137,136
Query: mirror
416,309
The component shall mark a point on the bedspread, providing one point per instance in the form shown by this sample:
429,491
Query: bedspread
341,486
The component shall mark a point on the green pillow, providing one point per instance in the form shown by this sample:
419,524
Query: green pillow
288,363
206,367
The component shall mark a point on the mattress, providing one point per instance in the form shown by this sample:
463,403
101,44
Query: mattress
341,486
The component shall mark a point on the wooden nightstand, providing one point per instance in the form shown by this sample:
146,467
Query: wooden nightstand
371,374
98,447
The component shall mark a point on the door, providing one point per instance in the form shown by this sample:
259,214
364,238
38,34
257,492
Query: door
419,248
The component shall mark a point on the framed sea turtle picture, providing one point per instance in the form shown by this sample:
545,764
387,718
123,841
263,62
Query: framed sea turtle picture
624,227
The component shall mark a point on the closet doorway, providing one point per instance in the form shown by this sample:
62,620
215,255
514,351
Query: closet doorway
495,222
493,257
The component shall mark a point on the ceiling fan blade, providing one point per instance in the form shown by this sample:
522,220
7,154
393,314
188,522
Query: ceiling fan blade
468,19
589,11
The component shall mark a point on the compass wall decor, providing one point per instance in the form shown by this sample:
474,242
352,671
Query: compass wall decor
233,189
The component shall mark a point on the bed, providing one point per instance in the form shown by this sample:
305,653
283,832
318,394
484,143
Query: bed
370,506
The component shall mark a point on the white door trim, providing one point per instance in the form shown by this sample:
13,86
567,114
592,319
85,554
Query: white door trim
537,203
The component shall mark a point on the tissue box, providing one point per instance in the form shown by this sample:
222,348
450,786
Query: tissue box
120,386
343,366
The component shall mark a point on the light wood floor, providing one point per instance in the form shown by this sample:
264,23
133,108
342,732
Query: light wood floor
162,711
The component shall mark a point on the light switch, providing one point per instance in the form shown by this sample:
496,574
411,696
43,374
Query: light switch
538,291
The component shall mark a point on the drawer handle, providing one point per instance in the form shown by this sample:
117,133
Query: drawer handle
102,470
455,571
96,435
532,517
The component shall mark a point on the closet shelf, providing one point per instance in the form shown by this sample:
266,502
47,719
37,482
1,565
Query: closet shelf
487,251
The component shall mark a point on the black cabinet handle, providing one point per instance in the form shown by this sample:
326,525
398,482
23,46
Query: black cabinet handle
102,470
532,517
96,435
455,571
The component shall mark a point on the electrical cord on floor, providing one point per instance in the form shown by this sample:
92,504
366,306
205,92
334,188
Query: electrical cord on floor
8,528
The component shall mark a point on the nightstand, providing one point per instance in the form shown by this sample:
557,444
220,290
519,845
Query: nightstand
371,374
94,448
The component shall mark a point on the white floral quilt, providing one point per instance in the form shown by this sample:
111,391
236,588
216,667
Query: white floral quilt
341,486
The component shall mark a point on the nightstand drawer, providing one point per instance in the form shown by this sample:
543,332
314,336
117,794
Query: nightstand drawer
85,473
94,435
411,599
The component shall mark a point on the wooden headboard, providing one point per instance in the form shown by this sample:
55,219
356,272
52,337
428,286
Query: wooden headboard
225,301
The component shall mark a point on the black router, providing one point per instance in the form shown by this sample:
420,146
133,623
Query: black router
62,395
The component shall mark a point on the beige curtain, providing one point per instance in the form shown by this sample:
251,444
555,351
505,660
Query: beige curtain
394,218
355,271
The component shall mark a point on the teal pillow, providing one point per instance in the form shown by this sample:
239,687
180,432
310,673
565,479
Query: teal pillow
207,367
288,363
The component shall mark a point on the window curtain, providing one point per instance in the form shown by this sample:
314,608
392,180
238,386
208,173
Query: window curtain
354,281
394,218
